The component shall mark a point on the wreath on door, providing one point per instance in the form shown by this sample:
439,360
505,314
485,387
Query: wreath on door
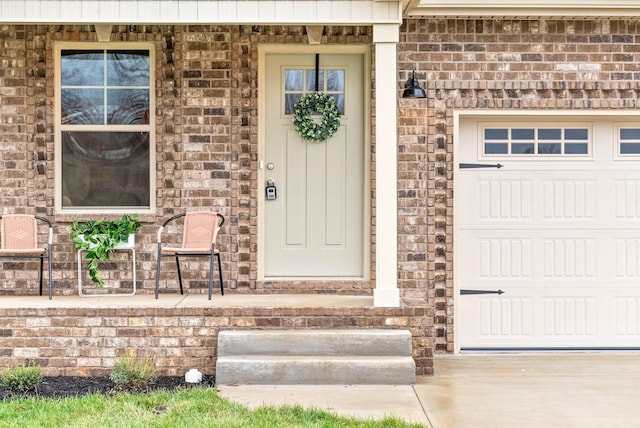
308,106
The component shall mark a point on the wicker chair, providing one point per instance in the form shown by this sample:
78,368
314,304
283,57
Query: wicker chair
19,239
199,232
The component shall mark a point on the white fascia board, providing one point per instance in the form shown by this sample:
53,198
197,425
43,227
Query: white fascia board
255,12
529,9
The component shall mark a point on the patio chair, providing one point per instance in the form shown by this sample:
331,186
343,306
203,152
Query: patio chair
199,232
19,239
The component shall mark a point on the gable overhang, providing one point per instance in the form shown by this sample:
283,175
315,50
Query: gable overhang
250,12
577,9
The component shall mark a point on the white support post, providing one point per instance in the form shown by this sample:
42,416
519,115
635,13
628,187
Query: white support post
385,38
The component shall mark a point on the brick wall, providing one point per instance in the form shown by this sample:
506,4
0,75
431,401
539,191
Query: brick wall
87,341
500,65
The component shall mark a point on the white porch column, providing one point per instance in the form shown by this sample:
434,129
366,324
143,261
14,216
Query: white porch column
385,38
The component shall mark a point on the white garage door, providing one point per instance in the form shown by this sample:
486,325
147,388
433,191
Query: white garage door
547,242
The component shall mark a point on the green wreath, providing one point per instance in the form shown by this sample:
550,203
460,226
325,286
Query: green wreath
316,102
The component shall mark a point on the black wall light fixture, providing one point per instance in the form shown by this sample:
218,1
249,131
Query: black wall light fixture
412,88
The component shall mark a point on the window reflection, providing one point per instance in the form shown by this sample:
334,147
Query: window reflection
311,80
105,169
335,80
522,134
549,148
127,68
576,148
293,80
522,148
339,102
82,106
82,68
496,134
83,87
300,82
550,134
290,101
127,106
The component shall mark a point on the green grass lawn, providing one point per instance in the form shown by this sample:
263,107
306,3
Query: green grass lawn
190,408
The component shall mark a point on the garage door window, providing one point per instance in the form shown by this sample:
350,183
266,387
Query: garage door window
629,141
535,142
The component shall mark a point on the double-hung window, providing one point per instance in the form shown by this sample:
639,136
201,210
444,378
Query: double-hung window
104,132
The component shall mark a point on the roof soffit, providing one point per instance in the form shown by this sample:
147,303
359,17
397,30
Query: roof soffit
578,9
254,12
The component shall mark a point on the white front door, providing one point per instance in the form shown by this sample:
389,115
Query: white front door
548,245
314,226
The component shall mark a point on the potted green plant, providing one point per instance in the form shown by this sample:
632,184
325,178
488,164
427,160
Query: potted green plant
100,237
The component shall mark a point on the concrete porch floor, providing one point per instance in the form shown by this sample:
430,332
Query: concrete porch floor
188,300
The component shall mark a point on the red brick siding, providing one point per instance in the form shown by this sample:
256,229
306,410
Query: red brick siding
87,341
501,65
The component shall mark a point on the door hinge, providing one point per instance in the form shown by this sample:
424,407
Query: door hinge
480,165
463,292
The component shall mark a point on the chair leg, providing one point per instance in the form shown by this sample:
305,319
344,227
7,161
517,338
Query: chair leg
41,270
220,274
158,272
50,281
179,274
211,273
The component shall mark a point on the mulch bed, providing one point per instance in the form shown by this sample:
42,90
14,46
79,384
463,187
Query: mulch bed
72,386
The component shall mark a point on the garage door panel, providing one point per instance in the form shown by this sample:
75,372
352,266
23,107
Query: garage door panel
570,316
627,312
491,258
500,199
627,260
526,320
627,198
505,258
520,321
505,317
569,258
568,199
488,257
503,197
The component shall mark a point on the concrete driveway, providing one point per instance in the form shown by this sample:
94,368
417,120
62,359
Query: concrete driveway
533,390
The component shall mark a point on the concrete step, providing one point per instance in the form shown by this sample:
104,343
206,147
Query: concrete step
316,357
314,342
295,370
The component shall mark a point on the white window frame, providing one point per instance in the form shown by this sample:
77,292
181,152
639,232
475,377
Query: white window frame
618,155
59,128
535,125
